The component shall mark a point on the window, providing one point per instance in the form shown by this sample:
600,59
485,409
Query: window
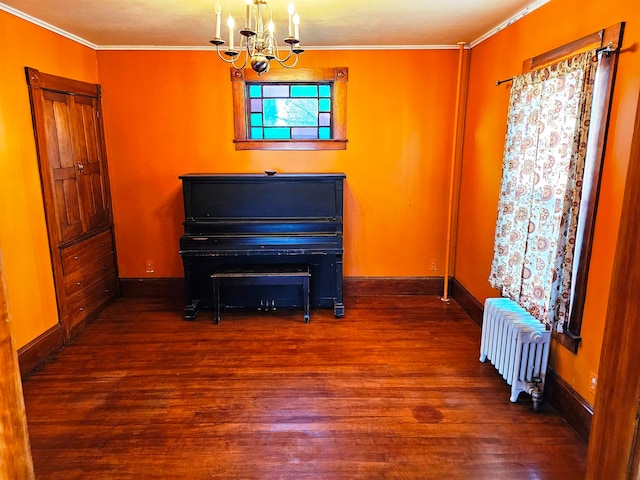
293,111
551,175
299,109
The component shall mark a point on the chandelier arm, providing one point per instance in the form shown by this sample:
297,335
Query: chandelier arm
295,62
226,60
244,64
232,59
275,54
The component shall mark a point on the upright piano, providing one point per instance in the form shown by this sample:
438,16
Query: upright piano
243,220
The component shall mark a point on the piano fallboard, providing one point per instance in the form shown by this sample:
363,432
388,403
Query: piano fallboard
243,219
264,226
260,245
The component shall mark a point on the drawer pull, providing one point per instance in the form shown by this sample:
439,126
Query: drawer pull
107,290
78,284
102,244
81,309
104,267
76,257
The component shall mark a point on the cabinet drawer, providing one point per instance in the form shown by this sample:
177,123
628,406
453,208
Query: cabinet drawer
85,302
75,256
90,272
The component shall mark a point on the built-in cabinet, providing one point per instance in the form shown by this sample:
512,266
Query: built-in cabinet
67,120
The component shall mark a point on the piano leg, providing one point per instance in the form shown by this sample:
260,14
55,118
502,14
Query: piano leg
191,311
338,306
216,301
305,296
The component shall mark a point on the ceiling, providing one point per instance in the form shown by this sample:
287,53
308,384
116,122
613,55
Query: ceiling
325,24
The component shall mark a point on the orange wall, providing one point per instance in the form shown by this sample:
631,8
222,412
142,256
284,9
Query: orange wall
170,112
500,57
23,233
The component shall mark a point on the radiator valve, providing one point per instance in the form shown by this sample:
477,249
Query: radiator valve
536,392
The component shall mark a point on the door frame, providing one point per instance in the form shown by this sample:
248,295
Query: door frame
15,452
618,395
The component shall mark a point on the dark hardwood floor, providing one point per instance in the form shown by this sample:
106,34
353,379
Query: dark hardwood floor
392,391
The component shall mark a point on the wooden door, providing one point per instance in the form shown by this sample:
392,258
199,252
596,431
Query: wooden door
73,166
62,174
88,153
613,443
15,456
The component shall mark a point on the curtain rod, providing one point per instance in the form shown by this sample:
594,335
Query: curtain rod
500,82
608,49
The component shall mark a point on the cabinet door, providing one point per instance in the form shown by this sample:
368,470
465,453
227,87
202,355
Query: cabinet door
90,164
61,164
74,160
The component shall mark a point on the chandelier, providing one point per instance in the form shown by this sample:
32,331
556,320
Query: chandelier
257,38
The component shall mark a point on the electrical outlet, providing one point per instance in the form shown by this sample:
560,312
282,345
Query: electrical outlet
149,266
434,265
593,382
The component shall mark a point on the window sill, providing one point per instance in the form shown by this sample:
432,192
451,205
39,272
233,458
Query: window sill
290,144
567,340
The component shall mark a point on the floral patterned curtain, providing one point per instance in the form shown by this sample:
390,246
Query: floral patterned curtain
542,171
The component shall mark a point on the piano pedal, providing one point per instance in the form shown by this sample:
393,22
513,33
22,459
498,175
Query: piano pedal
264,305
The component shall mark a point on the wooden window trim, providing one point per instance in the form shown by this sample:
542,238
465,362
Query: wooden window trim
608,37
338,76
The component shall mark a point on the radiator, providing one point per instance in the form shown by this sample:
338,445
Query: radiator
517,345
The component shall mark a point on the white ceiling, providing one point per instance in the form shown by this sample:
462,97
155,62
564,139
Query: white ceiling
324,24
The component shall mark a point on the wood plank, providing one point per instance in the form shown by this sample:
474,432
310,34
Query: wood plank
15,457
392,390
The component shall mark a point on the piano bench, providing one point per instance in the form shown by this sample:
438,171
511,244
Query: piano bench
277,274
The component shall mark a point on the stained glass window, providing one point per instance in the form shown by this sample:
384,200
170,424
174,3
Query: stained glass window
305,109
289,111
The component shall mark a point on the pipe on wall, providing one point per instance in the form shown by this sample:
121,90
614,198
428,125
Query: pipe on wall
456,153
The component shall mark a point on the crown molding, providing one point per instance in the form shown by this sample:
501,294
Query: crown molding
306,47
522,13
47,26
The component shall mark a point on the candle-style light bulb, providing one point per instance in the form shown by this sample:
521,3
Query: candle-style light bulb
296,29
231,24
291,9
218,15
271,27
247,20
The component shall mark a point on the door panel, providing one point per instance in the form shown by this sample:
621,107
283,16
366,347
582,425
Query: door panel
61,159
87,145
73,144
